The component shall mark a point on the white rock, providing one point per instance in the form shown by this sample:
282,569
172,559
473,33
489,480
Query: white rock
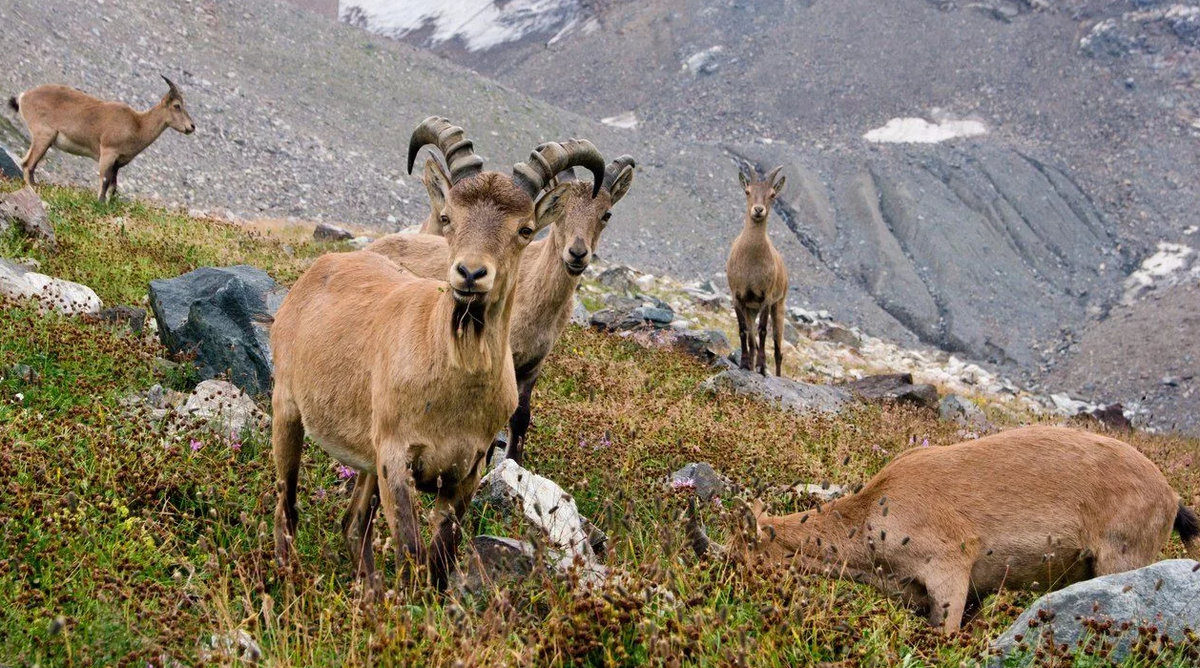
17,282
544,504
228,408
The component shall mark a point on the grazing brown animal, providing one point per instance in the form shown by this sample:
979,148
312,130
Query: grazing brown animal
1031,508
757,276
550,273
408,379
111,133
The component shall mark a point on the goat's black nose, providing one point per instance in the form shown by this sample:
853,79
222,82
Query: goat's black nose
577,253
470,276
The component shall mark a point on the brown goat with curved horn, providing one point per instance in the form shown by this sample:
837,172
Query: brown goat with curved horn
404,378
550,273
111,133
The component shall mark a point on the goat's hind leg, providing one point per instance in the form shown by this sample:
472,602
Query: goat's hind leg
39,143
287,442
760,361
358,526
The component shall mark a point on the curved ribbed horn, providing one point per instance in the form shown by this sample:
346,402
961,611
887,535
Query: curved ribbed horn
551,158
615,168
770,177
174,92
458,151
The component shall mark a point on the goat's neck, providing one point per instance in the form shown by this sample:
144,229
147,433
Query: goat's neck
545,280
151,124
755,230
830,539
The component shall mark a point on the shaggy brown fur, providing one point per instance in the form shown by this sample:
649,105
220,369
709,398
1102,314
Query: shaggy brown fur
549,276
111,133
758,279
404,378
1032,508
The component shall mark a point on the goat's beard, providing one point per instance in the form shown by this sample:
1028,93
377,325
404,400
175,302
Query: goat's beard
469,317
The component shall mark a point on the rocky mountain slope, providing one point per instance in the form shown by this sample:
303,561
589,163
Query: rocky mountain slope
1003,247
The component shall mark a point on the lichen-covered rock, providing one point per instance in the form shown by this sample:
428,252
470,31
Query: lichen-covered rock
216,312
790,394
17,282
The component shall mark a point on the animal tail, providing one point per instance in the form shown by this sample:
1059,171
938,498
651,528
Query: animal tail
14,103
1187,524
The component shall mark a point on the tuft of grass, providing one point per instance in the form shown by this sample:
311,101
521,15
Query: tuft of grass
126,541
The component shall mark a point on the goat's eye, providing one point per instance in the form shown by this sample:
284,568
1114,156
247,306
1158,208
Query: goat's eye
526,232
445,219
607,216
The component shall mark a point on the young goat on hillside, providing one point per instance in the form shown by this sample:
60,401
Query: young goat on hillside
549,276
408,379
1031,508
112,133
758,278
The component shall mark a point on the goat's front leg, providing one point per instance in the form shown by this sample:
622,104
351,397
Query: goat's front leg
760,359
449,510
397,495
108,172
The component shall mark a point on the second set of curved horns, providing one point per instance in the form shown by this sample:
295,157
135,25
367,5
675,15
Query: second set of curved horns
543,164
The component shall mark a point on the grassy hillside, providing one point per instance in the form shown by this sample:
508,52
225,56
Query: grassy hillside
122,543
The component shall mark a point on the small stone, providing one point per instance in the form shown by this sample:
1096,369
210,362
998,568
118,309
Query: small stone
789,394
25,210
327,232
132,316
708,345
954,408
701,478
17,282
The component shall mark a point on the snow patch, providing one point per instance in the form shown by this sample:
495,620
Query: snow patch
1170,265
920,131
625,121
480,24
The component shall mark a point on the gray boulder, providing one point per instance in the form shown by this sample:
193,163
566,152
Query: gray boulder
226,408
24,209
708,345
626,314
789,394
544,506
327,232
494,560
215,313
132,316
953,408
618,278
897,387
1165,595
700,477
17,282
9,168
580,315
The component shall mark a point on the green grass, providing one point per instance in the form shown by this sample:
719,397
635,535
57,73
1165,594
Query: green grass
120,545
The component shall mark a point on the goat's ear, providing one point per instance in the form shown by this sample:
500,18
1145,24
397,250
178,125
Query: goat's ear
437,184
621,185
778,187
551,206
742,177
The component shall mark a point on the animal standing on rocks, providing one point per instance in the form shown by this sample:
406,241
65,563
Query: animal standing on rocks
111,133
1030,508
550,274
408,379
758,278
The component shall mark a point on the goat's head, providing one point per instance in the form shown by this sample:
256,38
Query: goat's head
488,218
177,115
578,232
761,194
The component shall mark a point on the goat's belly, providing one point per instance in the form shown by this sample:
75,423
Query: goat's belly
64,143
344,452
1054,568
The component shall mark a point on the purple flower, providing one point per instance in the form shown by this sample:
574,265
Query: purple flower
345,472
320,494
879,449
236,446
925,443
683,483
196,445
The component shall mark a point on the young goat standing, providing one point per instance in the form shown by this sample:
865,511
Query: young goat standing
1031,508
549,276
757,276
111,133
408,379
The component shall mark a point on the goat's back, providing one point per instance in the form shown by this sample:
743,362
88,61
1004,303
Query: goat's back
72,112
